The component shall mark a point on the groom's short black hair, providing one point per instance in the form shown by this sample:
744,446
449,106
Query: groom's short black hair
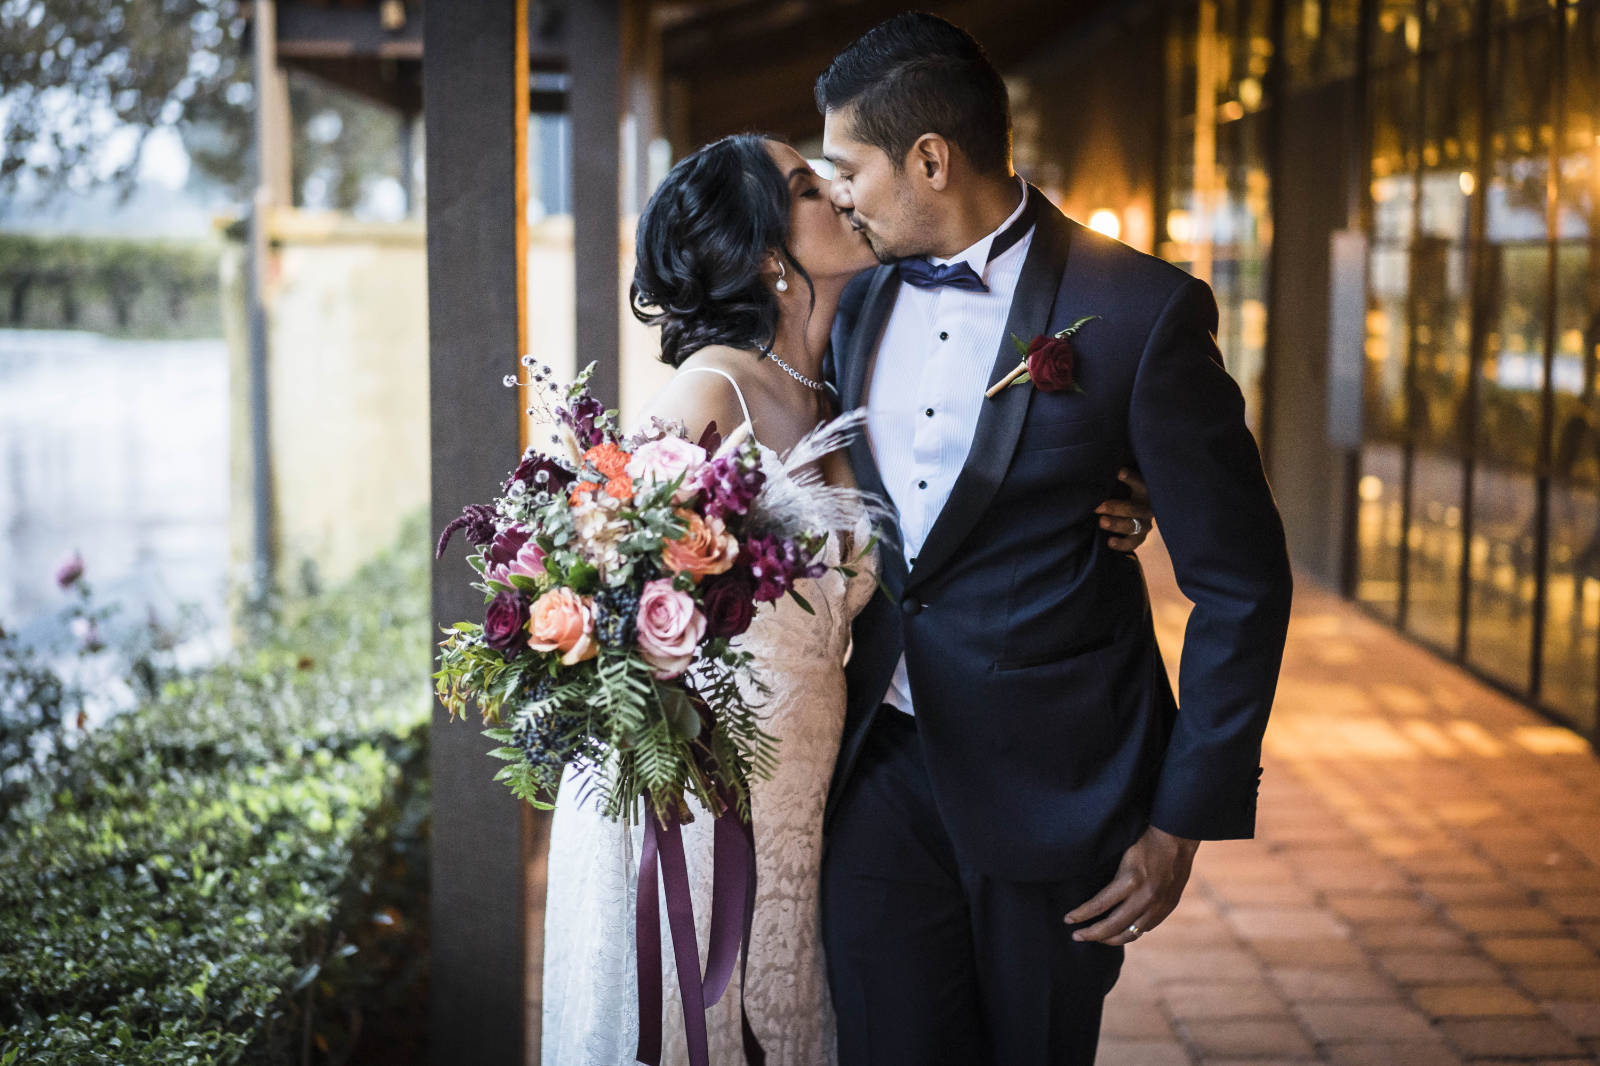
916,74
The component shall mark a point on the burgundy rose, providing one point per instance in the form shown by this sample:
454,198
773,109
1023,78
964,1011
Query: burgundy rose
728,602
1051,361
503,621
555,477
505,546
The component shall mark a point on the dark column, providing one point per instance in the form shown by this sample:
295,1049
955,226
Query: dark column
1307,469
596,97
472,83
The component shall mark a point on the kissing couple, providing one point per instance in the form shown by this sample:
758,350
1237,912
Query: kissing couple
986,789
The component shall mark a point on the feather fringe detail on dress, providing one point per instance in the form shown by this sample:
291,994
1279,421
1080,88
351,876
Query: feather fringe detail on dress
795,495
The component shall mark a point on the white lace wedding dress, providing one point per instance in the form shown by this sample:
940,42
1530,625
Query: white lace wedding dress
590,1015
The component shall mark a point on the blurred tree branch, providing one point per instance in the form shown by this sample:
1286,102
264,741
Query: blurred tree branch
83,79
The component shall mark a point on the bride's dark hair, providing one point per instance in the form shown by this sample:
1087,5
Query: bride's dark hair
700,244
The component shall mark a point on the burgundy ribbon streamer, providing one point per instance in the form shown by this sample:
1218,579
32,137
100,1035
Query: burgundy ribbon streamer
733,898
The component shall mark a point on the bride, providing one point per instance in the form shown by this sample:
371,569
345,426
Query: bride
742,260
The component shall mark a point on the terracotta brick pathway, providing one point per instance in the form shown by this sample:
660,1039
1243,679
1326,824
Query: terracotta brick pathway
1423,889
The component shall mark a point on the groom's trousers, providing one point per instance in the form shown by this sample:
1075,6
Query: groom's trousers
931,962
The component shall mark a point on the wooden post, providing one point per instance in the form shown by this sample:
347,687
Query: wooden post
596,99
475,98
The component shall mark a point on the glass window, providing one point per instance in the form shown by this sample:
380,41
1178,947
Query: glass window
1379,519
1396,31
1571,646
1511,376
1320,40
1441,357
1217,220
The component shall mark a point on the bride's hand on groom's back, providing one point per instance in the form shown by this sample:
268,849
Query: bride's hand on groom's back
1128,521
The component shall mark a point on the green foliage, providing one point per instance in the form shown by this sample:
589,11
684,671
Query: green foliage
234,871
50,281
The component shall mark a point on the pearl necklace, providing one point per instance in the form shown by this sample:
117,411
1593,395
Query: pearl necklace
815,386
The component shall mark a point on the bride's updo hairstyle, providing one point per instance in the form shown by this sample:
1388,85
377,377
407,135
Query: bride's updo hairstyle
700,246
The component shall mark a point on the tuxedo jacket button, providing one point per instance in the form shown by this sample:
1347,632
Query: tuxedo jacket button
909,605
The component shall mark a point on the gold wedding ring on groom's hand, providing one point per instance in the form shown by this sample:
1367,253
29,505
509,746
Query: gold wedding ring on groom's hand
1134,931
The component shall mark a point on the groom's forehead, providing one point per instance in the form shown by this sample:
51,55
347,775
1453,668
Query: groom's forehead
839,143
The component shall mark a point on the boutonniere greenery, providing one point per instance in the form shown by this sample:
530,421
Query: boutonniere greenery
1049,362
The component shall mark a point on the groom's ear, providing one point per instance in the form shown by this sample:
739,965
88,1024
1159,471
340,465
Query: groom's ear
929,159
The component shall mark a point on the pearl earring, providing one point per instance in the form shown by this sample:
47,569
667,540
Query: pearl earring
782,285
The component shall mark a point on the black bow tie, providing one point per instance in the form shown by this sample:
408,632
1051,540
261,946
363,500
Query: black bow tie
926,275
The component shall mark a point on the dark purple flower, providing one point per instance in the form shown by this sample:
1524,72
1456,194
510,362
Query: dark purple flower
777,563
503,622
728,602
476,519
541,473
505,546
730,484
70,570
582,416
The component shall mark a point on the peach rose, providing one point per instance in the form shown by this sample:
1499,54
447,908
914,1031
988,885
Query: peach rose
561,620
706,547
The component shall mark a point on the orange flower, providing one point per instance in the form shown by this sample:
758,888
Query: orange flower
620,487
607,458
706,547
580,492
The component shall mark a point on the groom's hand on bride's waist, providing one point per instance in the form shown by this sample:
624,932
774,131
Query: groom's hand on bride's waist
1149,882
1128,520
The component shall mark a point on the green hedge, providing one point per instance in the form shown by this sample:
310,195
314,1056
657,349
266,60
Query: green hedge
235,871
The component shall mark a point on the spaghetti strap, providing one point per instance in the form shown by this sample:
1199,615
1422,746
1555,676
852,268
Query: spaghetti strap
736,390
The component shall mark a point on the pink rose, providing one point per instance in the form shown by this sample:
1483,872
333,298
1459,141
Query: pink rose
561,620
662,461
670,628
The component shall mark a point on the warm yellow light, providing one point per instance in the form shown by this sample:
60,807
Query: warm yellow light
1370,488
1232,111
1180,227
1106,221
1250,93
1468,183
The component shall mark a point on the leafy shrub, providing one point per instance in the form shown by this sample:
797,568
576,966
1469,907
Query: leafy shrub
234,871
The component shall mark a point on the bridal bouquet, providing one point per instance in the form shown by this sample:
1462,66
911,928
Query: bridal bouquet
615,575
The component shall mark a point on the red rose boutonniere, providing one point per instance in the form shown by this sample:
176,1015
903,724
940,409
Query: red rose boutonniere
1048,362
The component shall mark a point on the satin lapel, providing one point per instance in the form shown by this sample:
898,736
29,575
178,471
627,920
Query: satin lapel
858,359
1000,420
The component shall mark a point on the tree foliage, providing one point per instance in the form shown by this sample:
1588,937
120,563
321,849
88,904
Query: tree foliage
77,75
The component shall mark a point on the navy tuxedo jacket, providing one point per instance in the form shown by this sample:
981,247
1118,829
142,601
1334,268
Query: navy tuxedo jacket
1050,731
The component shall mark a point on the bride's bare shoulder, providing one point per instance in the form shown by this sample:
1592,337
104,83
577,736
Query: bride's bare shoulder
698,399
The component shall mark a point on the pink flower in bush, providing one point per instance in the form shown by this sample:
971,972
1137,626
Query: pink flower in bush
670,628
70,570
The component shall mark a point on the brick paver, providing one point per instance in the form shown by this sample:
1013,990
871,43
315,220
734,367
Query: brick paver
1423,888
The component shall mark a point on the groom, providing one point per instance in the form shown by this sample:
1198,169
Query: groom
1018,795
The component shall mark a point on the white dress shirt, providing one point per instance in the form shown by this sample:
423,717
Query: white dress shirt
926,391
